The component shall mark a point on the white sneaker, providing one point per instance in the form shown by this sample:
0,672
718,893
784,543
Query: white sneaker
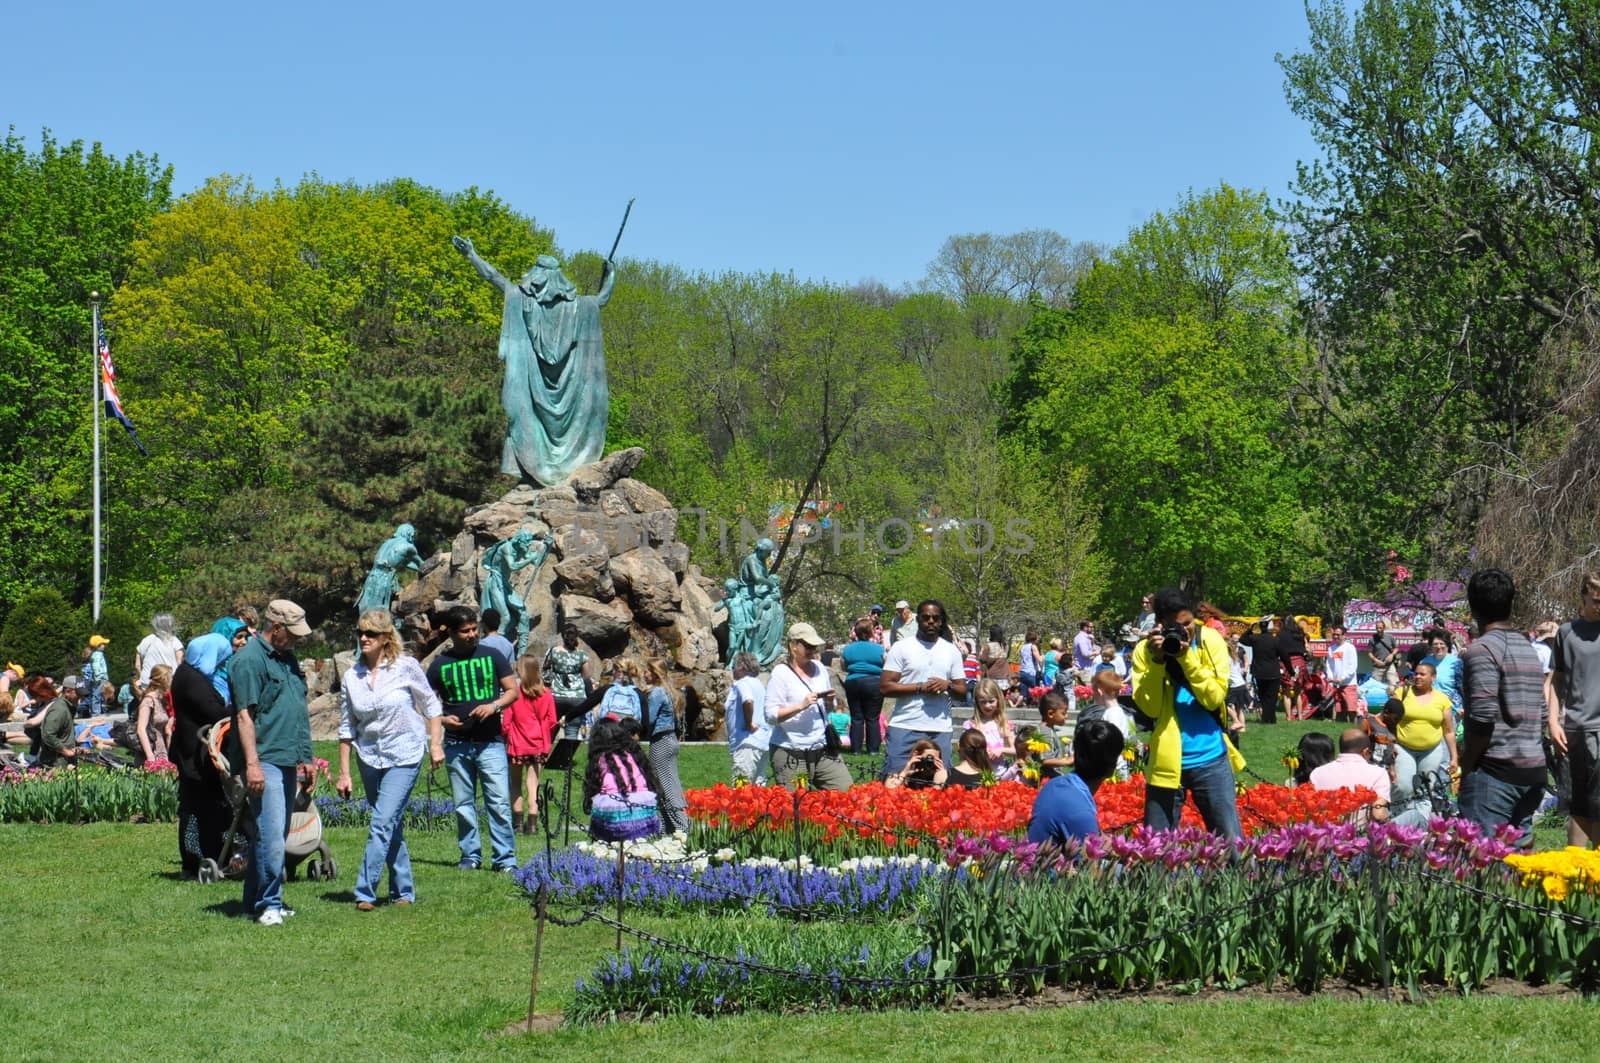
271,917
286,912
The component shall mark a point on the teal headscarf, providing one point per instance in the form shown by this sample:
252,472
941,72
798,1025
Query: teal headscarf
227,627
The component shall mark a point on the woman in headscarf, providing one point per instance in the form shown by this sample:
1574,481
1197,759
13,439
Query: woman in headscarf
237,633
199,699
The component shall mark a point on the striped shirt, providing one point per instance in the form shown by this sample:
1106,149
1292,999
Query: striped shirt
1503,687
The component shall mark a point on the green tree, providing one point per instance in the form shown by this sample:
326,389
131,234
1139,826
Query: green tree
1450,237
68,217
249,312
1165,387
414,438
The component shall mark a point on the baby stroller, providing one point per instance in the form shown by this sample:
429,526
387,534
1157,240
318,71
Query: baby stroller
304,844
305,825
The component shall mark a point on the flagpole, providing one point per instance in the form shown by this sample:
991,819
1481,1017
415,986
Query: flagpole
94,395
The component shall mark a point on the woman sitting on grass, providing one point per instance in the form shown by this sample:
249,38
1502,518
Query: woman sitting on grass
619,790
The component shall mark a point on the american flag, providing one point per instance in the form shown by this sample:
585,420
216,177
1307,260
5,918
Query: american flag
108,379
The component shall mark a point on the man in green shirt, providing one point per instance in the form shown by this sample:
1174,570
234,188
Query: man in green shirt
57,742
269,700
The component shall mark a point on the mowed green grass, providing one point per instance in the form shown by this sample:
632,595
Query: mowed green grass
105,954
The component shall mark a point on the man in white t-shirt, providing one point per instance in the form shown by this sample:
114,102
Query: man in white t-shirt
922,674
1341,674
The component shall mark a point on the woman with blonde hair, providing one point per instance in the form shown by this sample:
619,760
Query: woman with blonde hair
662,730
150,725
529,722
390,714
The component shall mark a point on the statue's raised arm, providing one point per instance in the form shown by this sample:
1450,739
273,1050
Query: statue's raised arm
608,281
486,271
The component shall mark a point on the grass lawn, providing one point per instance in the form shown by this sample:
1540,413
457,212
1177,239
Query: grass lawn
104,953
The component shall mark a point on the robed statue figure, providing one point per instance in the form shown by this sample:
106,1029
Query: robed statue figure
755,608
399,551
554,390
500,562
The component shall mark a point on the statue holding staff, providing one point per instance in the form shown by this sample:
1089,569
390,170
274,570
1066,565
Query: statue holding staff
554,390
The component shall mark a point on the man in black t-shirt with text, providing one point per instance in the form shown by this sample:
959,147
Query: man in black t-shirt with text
475,684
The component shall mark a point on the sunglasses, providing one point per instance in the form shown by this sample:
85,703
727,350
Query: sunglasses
371,634
931,617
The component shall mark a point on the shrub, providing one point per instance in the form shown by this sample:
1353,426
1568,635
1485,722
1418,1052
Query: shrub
43,633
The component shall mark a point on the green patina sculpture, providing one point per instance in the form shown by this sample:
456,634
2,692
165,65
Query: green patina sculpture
758,599
738,618
554,390
397,552
499,562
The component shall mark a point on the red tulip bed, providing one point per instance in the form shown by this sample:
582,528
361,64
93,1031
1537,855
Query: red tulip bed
876,820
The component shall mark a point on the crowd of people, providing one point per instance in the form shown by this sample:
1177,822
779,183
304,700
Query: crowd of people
238,693
1463,722
1453,725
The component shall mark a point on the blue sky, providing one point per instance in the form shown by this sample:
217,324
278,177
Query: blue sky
837,141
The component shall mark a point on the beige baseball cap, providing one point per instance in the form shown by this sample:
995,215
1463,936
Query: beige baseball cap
282,611
805,633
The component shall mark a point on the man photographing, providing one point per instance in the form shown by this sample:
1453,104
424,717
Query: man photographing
1180,680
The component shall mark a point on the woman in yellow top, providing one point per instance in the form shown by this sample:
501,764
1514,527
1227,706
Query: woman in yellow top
1425,737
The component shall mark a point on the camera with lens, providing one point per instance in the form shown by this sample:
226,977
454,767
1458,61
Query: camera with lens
1173,639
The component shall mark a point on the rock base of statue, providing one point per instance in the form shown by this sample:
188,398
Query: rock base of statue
616,571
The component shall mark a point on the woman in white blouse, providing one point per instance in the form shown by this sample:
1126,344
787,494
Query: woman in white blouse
391,715
799,697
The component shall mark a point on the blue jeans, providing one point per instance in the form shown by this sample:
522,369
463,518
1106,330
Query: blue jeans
263,872
897,745
1215,795
388,790
470,763
1406,809
1489,802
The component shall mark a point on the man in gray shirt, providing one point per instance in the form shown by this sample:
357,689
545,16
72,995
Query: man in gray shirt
1572,699
1503,767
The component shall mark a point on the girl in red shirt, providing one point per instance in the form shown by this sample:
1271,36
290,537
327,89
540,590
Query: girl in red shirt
528,724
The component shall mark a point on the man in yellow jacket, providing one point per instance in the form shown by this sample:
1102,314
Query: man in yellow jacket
1180,680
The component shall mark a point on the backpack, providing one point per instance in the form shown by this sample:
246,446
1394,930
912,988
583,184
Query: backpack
620,701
